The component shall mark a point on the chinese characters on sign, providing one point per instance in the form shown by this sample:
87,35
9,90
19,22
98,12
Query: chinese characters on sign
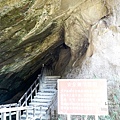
82,96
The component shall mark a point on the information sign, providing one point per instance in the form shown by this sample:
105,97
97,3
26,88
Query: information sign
82,96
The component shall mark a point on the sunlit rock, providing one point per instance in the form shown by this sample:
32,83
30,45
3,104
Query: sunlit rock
102,59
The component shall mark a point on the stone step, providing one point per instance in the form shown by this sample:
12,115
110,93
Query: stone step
48,87
41,100
38,108
31,117
47,90
52,77
43,97
36,112
49,82
40,104
45,93
54,80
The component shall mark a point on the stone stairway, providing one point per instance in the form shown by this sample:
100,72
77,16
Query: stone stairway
43,101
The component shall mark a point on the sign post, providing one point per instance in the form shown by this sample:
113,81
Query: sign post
68,117
82,97
96,117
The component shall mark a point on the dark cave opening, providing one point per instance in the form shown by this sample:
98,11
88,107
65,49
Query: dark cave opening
57,61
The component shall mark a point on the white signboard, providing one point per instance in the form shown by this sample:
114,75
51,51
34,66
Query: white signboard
82,96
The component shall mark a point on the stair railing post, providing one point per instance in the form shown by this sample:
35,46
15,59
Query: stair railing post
35,88
25,99
40,110
17,115
41,78
4,116
39,83
55,114
26,113
18,112
50,114
33,111
19,104
31,93
10,113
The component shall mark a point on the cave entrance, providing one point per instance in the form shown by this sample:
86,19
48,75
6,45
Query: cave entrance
55,60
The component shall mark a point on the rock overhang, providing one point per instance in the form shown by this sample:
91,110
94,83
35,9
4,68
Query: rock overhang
30,29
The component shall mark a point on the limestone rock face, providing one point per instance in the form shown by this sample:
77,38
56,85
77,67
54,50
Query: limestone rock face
31,29
102,59
28,30
79,23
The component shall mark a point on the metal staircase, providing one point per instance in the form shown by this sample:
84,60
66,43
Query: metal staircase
44,101
38,103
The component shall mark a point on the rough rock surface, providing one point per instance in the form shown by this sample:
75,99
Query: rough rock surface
31,29
102,59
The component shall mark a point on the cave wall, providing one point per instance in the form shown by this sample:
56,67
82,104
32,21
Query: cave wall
102,59
79,23
31,29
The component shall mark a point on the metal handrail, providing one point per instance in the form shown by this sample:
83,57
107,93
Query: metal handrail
29,93
5,112
22,102
32,90
53,101
17,108
8,105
